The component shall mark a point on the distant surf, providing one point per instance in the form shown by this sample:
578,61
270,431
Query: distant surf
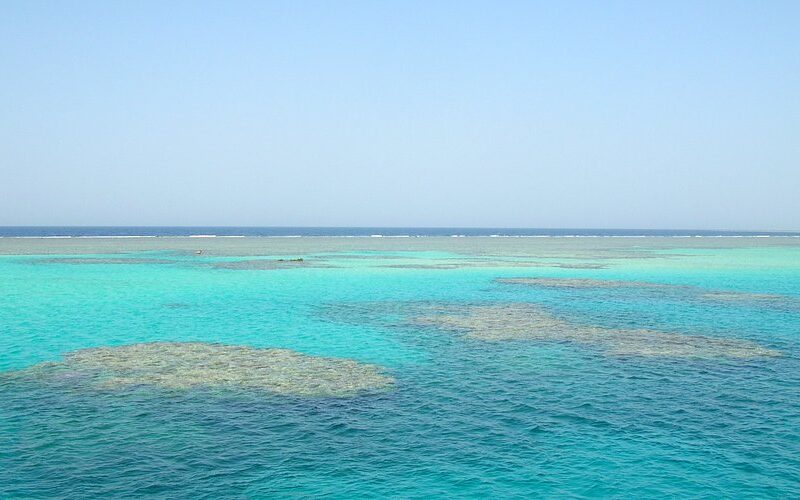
396,232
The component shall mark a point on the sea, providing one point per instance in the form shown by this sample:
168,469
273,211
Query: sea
222,362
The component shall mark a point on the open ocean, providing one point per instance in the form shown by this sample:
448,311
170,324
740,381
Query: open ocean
99,231
648,365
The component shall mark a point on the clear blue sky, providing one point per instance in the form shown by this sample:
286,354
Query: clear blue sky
529,114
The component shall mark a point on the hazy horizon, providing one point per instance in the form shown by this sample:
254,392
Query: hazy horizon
356,114
467,228
422,226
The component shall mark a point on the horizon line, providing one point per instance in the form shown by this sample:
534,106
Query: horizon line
547,228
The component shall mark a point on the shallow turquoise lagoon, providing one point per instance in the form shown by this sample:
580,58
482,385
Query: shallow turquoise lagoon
466,417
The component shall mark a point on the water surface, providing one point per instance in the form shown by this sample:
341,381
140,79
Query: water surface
469,413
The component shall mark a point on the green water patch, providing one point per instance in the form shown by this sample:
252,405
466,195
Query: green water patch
522,321
198,365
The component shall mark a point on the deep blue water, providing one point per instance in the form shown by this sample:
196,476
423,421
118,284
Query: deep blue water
85,231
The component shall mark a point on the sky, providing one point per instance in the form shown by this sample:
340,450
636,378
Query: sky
590,114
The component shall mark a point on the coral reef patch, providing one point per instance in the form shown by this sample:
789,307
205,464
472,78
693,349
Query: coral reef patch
188,365
522,321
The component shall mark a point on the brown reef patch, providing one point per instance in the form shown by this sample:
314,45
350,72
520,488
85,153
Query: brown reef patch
187,365
530,322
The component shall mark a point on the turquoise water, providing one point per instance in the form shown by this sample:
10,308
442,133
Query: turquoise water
466,417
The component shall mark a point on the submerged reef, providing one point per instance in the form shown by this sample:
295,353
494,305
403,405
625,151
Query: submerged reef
246,264
495,263
719,296
102,260
270,264
177,305
578,283
530,322
187,365
751,298
581,265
